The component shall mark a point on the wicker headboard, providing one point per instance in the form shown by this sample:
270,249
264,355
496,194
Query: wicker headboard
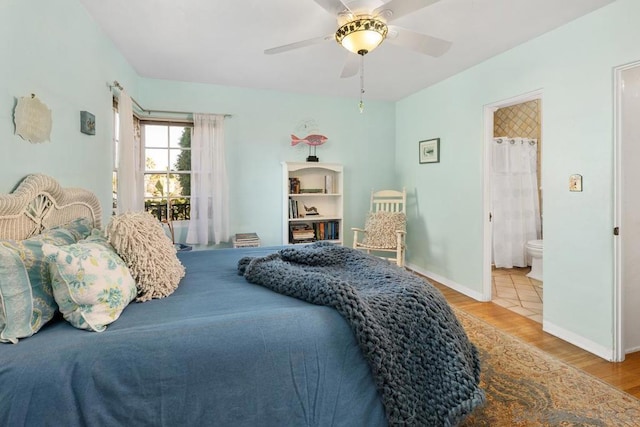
39,202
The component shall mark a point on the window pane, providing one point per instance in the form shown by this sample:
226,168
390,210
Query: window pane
157,208
156,159
114,185
182,161
156,136
175,187
155,185
116,154
177,156
180,209
116,140
162,185
179,136
183,187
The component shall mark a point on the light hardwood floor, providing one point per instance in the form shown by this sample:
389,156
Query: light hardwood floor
624,376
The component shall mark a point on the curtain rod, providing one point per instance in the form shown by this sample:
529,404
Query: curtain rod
117,85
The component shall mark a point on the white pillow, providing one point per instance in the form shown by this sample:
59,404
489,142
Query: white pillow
91,284
140,240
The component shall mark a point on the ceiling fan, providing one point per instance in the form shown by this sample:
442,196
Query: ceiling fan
362,28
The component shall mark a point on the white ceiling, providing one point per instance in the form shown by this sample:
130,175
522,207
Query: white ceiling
223,42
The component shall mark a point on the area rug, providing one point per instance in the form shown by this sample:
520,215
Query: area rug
527,387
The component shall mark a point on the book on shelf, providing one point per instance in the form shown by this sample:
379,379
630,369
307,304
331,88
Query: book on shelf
327,230
303,240
302,232
298,209
311,190
328,184
294,185
295,209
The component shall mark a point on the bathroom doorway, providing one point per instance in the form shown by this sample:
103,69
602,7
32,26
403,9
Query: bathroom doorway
513,202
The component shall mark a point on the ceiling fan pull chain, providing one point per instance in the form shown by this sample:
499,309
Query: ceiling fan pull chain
361,104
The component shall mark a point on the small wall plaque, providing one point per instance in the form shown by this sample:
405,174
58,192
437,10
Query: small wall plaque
87,123
32,119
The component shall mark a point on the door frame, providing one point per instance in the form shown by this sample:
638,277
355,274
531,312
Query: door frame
489,110
618,303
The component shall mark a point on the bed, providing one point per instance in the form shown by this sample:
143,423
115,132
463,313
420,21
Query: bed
219,351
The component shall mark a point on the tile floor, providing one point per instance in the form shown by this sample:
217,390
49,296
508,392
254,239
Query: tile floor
513,290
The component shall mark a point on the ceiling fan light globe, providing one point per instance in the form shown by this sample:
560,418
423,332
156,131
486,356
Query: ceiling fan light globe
361,35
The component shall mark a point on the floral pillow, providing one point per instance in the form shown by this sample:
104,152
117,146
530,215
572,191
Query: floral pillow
381,229
91,283
25,286
81,228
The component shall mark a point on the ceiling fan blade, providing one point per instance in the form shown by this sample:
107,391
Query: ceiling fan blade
418,42
351,65
395,9
334,7
297,45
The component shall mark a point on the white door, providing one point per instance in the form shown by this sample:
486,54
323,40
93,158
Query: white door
629,205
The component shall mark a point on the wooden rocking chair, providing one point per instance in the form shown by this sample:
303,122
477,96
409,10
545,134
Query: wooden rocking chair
385,228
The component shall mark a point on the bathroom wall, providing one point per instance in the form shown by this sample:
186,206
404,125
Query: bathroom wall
522,120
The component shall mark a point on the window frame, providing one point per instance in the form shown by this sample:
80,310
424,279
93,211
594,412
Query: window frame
167,173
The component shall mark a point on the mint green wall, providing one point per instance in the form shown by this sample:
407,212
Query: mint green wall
54,50
258,139
573,66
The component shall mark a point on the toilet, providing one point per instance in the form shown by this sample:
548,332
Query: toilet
534,252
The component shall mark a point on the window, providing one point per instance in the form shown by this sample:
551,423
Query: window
167,169
165,147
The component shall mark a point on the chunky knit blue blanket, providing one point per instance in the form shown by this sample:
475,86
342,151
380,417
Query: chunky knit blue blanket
426,369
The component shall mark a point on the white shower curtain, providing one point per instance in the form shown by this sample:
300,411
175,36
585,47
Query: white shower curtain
209,187
515,204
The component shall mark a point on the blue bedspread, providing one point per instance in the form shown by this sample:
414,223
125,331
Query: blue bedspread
426,369
219,352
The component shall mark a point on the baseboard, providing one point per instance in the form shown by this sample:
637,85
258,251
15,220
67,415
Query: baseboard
478,296
578,340
632,350
571,337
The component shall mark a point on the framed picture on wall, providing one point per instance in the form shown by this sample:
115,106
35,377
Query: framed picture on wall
429,150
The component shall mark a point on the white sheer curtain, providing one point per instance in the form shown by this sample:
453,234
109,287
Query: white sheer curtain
516,208
130,179
209,187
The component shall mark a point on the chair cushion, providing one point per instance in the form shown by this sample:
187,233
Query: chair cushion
380,229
